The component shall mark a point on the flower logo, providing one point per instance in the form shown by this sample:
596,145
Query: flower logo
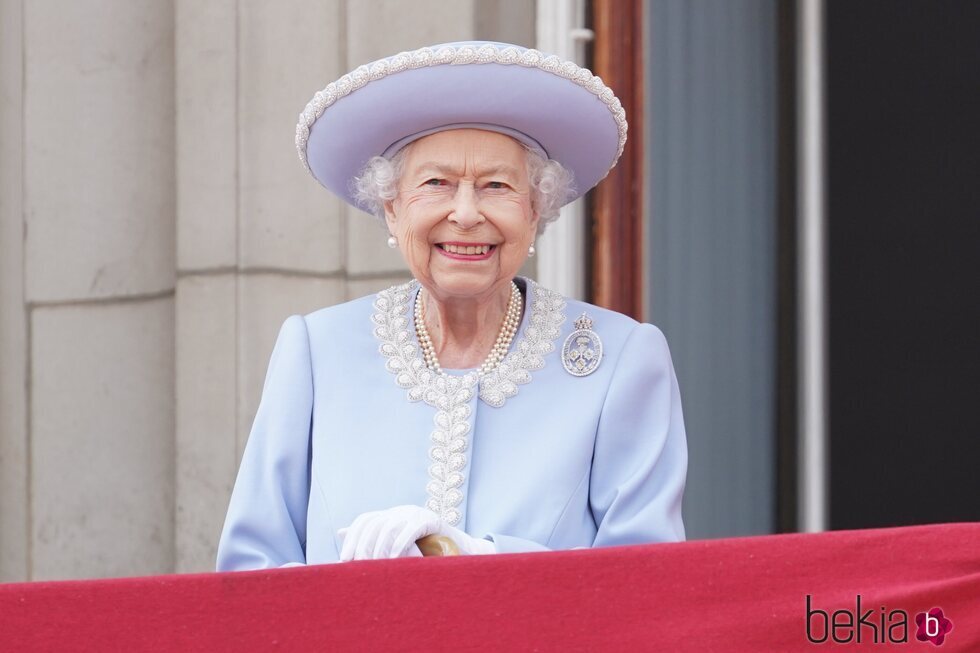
933,626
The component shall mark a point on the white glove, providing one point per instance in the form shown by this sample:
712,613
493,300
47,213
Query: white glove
392,533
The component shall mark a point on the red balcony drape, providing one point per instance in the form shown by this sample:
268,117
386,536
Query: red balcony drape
742,594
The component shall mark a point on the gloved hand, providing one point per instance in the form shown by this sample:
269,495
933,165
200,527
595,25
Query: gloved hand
392,533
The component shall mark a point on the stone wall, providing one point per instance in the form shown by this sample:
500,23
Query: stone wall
156,228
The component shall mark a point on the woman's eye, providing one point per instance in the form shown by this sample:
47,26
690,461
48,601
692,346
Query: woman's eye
496,185
435,182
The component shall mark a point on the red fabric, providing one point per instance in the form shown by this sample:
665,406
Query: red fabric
742,594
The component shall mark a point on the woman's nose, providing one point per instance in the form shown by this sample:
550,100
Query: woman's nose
465,211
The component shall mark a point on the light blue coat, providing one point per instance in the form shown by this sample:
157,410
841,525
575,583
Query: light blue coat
530,457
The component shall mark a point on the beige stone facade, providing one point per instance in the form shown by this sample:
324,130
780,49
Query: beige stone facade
156,228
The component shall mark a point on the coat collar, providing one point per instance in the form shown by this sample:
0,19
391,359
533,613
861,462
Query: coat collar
540,329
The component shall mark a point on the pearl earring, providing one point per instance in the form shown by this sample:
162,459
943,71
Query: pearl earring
531,250
392,242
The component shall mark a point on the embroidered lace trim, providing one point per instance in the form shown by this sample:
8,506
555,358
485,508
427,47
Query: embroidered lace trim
450,395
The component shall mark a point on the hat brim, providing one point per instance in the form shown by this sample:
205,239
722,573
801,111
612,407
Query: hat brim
561,108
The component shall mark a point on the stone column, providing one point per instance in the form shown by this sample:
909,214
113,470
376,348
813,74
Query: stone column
93,488
14,518
258,240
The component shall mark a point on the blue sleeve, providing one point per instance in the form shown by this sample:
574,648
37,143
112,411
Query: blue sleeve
639,466
266,522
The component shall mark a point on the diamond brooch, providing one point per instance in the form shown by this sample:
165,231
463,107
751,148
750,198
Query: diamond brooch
582,350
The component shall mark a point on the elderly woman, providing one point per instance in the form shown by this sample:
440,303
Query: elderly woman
469,402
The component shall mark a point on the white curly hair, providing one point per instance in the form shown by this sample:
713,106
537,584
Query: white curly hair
551,184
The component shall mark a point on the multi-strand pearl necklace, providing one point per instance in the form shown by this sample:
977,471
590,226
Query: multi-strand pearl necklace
507,332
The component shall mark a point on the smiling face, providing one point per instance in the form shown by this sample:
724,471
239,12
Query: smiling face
463,214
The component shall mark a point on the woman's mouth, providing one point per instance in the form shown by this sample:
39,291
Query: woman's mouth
467,251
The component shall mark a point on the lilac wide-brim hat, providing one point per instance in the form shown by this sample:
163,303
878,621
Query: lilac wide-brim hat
555,107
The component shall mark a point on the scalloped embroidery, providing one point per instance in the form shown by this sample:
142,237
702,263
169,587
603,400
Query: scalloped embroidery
449,394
